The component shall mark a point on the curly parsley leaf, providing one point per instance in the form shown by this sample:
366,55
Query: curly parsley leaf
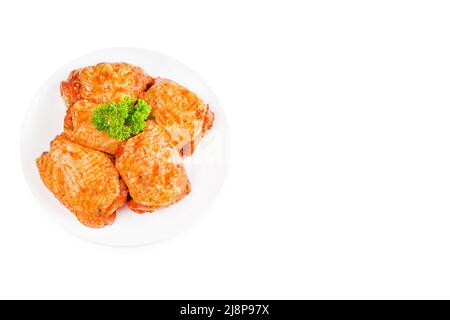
123,119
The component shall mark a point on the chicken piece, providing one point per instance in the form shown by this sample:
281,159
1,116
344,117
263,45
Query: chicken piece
181,112
103,83
152,169
85,181
84,132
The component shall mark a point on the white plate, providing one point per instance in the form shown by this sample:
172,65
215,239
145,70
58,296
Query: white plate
206,169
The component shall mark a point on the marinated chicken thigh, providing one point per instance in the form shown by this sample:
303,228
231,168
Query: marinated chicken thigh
152,169
179,111
104,82
85,181
84,132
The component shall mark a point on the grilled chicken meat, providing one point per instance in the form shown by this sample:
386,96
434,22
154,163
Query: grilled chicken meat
103,83
84,132
84,180
181,112
152,169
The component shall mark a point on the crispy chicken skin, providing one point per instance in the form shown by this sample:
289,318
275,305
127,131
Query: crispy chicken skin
181,112
152,169
84,180
84,132
103,83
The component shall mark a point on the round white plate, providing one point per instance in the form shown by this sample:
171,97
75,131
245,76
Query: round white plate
206,169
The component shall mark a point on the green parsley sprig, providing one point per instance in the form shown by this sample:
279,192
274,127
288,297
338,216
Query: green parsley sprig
123,119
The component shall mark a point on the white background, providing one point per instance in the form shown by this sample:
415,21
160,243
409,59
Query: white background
339,180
